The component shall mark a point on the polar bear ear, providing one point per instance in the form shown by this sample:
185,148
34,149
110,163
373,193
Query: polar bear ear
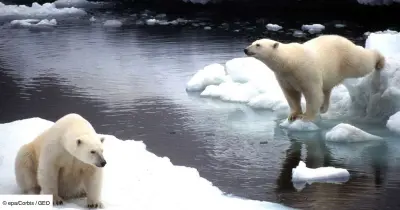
102,139
276,44
78,142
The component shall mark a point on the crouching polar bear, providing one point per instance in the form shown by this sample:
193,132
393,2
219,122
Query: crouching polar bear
65,161
314,68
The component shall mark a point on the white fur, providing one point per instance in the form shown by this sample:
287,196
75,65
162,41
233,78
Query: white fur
64,160
314,68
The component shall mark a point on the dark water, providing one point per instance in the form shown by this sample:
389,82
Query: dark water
130,82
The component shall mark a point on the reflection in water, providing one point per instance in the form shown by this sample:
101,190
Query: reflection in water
130,83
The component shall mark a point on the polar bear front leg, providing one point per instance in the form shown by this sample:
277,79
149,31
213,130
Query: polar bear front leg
293,98
93,185
48,180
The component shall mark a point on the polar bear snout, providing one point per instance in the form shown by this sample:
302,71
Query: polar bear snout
101,162
248,52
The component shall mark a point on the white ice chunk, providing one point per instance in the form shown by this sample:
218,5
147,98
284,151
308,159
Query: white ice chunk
339,25
22,23
273,27
112,24
34,24
213,74
302,175
37,11
393,123
197,1
313,28
298,33
134,178
299,125
378,2
344,132
72,3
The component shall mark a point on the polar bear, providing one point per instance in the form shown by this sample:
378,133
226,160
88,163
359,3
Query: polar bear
66,161
314,68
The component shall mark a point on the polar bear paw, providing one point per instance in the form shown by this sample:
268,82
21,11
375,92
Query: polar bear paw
294,116
57,200
95,205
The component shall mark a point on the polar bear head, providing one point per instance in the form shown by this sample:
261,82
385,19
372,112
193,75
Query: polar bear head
89,149
276,55
81,140
262,48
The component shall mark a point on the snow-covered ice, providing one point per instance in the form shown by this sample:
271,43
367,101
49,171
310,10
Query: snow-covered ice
302,175
393,123
378,2
339,25
344,132
298,33
134,178
247,80
299,125
273,27
37,11
34,24
197,1
72,3
112,24
313,28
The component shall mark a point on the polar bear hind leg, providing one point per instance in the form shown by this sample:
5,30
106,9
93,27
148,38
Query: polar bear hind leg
25,171
325,105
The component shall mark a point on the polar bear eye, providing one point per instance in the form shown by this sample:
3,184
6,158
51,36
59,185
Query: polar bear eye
258,45
92,151
78,142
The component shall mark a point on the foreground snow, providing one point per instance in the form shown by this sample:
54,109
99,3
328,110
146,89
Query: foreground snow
301,175
133,178
374,97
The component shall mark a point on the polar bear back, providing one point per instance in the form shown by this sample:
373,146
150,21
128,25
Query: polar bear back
339,58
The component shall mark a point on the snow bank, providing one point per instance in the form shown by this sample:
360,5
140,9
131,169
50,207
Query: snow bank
393,123
301,175
37,11
348,133
134,178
